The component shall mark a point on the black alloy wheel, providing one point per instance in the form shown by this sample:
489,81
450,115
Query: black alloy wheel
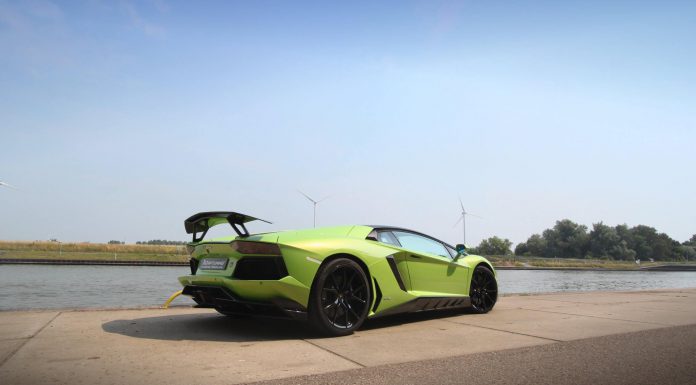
484,290
340,297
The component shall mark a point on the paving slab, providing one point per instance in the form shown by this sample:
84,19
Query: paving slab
598,298
556,326
659,307
422,340
8,347
23,324
682,295
529,302
639,312
164,346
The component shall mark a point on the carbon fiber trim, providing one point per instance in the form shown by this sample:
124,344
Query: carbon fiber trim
395,271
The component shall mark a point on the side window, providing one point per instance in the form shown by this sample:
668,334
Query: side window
388,238
452,251
421,244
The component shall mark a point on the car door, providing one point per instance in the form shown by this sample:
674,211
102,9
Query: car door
430,265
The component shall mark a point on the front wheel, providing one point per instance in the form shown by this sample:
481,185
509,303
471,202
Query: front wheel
484,290
340,297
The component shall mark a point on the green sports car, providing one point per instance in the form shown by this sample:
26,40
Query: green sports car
335,277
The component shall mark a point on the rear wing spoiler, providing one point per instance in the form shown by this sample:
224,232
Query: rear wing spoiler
200,223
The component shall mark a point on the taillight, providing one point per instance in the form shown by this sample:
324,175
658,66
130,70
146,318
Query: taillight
256,248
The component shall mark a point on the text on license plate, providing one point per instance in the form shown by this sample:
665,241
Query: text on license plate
213,264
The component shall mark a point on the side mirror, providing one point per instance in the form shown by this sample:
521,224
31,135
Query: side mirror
461,248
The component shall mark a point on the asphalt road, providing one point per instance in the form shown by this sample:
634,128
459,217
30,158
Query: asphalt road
652,357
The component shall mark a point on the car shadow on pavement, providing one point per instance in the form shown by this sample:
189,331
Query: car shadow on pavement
216,327
400,319
208,327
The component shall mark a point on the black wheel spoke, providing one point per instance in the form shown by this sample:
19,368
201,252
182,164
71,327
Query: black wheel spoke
350,281
345,313
333,279
335,315
352,311
359,299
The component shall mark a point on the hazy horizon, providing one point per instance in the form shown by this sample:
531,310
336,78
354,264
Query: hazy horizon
118,120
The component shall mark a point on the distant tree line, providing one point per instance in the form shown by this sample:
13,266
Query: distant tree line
112,242
568,239
160,242
492,246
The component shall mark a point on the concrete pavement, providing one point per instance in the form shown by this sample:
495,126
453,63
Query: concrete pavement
190,346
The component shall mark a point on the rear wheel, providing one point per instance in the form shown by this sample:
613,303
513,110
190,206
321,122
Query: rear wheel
484,290
340,298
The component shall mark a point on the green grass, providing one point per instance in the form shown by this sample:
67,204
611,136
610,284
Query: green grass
92,252
513,261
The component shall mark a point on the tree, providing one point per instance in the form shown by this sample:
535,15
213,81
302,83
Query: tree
494,246
688,249
160,242
522,249
605,242
648,243
566,239
687,253
534,247
537,245
602,240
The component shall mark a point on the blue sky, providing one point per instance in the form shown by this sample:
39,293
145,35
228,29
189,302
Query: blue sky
120,119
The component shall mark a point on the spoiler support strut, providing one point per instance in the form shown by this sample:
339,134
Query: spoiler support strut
202,222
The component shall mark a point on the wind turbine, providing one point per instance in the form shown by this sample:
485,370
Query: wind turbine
315,205
462,218
3,184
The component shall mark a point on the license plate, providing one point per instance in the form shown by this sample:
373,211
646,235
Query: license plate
213,264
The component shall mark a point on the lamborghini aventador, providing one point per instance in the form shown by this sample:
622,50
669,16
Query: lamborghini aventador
334,277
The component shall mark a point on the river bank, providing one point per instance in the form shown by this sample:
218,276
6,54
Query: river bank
103,259
83,253
88,262
116,262
674,267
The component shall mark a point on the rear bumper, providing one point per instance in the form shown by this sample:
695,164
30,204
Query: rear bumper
285,297
224,300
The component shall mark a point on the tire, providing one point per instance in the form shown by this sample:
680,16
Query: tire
483,291
340,298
